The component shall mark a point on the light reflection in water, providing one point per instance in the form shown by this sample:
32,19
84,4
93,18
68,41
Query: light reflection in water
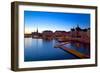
28,42
41,50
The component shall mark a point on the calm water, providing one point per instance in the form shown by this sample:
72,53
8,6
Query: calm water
40,50
82,48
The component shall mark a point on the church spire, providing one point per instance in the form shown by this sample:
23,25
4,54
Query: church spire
78,28
37,30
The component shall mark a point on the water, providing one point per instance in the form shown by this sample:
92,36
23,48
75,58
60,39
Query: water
42,50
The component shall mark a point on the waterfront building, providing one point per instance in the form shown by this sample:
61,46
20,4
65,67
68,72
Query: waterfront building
80,34
61,33
47,35
27,35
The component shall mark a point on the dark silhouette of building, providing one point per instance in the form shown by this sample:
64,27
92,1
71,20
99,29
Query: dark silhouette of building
80,33
61,34
47,35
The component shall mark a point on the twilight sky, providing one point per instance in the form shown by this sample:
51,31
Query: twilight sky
54,21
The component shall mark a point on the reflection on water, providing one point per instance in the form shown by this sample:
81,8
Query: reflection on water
40,50
29,41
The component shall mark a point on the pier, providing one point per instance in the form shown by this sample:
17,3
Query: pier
72,51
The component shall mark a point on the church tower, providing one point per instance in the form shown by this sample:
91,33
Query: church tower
37,31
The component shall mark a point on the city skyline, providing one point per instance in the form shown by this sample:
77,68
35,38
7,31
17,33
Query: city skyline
53,21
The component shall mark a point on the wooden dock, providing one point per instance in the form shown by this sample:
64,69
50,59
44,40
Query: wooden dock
72,51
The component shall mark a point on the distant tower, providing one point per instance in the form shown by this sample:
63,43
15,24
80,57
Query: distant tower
37,31
78,28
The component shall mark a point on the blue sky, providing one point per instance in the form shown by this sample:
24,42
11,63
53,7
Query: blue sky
54,21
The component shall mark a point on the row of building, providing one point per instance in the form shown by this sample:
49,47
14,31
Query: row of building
74,33
47,34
